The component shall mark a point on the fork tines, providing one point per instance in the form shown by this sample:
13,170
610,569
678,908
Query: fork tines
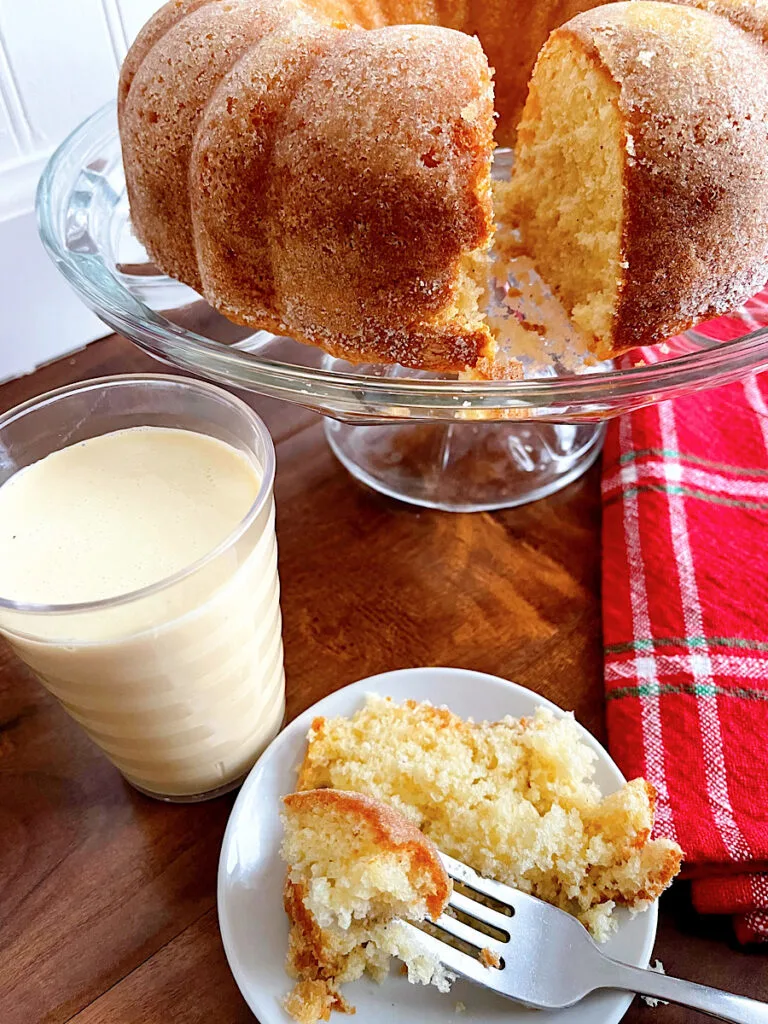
470,937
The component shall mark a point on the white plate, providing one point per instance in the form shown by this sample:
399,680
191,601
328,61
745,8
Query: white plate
255,929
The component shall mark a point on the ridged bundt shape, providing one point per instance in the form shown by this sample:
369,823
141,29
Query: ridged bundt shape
327,183
320,169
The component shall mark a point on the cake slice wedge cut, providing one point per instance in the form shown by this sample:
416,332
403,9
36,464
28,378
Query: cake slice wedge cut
640,184
356,870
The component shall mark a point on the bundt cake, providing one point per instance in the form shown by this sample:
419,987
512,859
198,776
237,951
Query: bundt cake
356,869
641,178
321,169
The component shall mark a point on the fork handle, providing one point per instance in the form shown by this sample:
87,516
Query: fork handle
715,1002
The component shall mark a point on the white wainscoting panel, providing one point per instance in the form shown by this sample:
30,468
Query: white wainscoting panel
59,61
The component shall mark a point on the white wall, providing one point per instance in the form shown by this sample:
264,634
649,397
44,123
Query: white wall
59,61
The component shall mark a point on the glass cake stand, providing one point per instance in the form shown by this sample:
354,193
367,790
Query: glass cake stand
436,441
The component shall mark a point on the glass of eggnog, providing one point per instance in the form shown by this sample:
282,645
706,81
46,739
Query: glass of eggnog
138,574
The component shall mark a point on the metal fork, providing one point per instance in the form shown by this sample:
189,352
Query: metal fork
546,958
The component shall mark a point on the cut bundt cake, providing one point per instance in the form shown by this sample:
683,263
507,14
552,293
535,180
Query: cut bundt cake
641,181
514,799
321,168
356,870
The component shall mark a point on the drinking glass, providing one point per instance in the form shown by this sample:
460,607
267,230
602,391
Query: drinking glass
180,683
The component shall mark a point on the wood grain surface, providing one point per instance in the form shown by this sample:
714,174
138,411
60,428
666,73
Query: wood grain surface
107,899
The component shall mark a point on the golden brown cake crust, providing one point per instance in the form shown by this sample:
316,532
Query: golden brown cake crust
157,26
362,259
160,113
308,955
350,834
751,15
696,176
339,183
391,832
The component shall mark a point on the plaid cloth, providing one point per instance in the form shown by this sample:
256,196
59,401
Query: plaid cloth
685,615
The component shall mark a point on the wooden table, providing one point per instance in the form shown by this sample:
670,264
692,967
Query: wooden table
107,899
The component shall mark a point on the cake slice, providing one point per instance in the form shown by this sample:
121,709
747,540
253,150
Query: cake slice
640,184
514,799
356,870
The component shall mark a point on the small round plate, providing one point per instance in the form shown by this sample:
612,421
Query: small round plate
254,927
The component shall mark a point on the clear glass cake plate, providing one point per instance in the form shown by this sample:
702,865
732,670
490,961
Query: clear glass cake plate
430,440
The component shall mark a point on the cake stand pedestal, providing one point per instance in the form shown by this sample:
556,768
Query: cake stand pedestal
466,467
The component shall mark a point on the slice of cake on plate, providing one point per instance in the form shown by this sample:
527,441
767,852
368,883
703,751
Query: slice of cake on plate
515,799
356,869
379,794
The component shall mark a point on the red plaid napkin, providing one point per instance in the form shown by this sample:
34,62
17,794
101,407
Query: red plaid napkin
685,615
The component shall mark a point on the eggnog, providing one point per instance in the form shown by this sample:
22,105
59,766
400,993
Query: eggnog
163,635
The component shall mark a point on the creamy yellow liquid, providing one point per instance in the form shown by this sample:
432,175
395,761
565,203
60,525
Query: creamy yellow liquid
182,687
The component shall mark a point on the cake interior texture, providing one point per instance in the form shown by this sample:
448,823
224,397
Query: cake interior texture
515,799
567,185
356,870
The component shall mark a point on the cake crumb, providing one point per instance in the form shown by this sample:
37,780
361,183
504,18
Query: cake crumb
651,1001
459,1008
312,1001
489,958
